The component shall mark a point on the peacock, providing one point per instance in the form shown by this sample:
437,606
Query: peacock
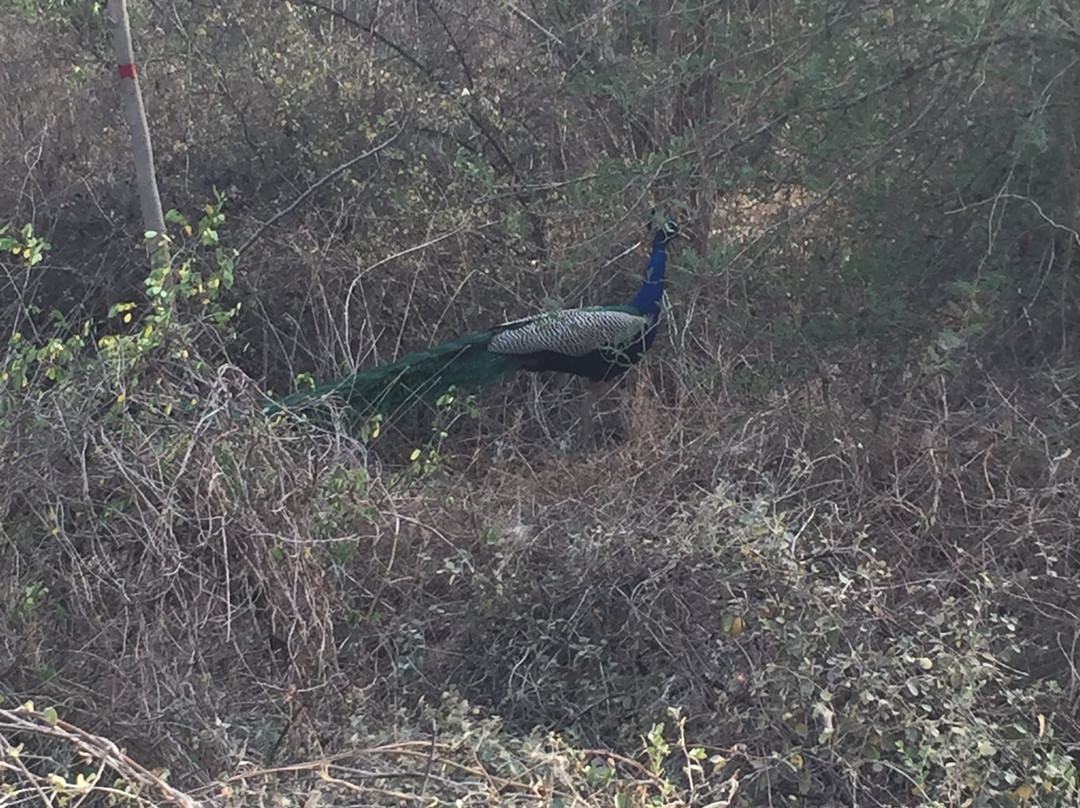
597,342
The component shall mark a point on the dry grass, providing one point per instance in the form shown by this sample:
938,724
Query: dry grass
215,593
272,608
841,571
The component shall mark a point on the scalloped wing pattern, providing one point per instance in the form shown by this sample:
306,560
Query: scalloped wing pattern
572,332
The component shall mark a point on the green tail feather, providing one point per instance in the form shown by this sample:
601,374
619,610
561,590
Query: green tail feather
465,363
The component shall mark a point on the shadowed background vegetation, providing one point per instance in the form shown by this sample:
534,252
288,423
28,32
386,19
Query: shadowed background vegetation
817,550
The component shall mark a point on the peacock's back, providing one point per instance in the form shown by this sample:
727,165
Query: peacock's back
571,332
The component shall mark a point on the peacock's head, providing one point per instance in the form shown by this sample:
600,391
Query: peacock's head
662,226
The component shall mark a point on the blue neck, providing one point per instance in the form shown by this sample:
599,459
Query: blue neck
648,298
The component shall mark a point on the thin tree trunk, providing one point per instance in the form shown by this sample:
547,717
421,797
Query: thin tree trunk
664,113
135,114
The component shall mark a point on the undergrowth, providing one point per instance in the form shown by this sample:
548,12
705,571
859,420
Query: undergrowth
818,550
708,610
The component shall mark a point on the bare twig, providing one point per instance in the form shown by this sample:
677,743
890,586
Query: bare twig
316,185
26,720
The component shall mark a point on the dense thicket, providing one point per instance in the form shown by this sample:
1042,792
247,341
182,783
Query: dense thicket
831,521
